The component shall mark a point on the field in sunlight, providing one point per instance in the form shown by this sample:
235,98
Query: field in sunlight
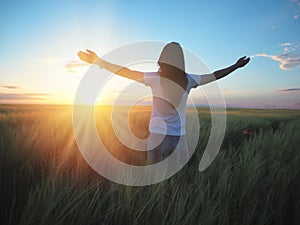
45,180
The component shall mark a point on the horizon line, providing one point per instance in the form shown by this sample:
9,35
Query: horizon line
229,106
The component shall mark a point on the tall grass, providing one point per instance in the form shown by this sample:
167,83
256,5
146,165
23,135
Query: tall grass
44,180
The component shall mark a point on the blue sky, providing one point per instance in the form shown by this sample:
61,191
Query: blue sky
39,38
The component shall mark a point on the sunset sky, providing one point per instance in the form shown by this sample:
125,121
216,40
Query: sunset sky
40,39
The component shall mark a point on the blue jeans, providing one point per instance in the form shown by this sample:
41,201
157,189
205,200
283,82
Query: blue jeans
160,146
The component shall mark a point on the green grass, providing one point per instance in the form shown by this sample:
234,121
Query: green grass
253,180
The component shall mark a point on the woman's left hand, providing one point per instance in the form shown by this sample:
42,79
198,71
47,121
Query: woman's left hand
242,61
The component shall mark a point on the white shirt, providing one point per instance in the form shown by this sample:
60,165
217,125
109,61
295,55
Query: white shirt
165,118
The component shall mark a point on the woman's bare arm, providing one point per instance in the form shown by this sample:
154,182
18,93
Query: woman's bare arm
92,58
224,72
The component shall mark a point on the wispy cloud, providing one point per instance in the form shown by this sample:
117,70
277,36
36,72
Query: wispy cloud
23,96
289,89
72,65
296,6
289,59
296,103
10,86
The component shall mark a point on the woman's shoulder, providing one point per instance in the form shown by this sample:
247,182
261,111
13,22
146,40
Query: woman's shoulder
193,80
151,74
150,78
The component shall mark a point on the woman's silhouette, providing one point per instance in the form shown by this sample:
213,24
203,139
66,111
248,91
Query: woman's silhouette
170,87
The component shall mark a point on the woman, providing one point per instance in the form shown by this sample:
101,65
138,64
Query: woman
170,88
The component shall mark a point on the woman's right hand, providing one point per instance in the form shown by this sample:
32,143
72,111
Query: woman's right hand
88,56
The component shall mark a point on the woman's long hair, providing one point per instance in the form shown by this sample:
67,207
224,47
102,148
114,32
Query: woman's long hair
172,70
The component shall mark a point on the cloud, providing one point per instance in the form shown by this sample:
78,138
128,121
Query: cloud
22,96
10,86
72,65
289,89
296,5
296,103
287,44
288,59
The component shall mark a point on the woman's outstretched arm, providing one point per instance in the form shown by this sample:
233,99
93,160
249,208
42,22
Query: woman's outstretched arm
224,72
92,58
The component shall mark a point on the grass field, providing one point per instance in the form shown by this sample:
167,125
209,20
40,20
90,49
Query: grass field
44,180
